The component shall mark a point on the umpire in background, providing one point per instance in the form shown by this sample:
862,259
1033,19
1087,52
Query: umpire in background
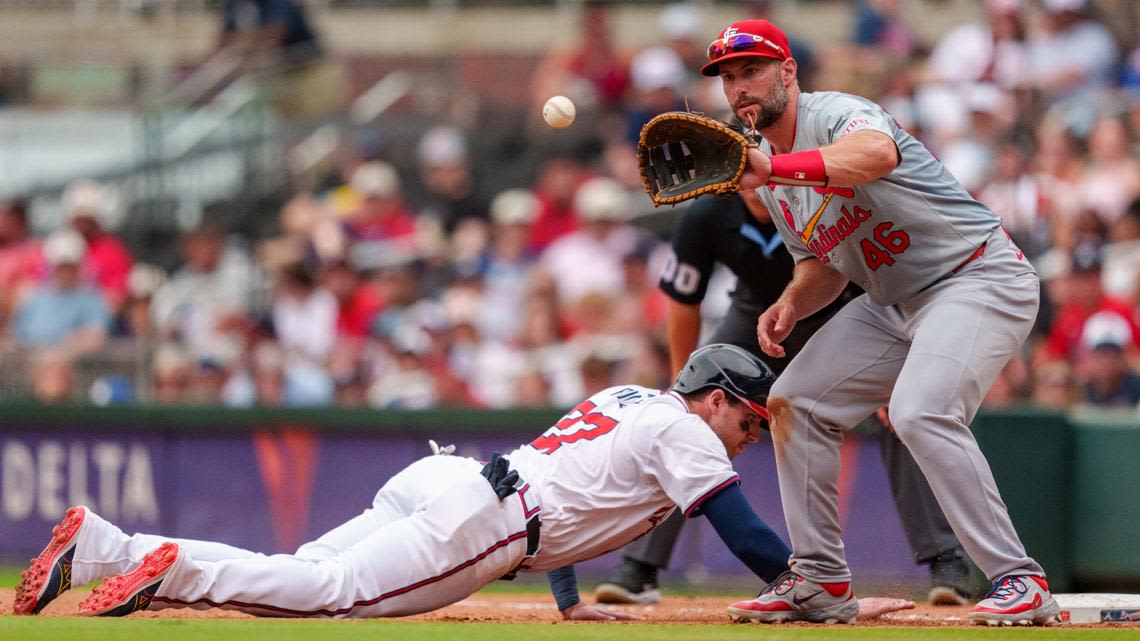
725,229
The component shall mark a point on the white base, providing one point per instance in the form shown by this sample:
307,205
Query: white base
1099,608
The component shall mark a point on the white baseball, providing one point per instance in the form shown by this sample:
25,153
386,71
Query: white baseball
558,112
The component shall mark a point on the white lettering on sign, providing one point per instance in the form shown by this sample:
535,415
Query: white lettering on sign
45,480
18,495
77,476
50,464
109,460
139,501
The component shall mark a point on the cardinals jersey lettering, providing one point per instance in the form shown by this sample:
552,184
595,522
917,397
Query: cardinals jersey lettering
893,236
616,465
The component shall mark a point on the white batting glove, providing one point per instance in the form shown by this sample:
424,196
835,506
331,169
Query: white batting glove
440,451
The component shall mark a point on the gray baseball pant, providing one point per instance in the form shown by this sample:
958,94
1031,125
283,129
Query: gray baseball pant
939,352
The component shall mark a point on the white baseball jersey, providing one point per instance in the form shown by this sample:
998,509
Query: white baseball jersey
893,236
436,532
615,466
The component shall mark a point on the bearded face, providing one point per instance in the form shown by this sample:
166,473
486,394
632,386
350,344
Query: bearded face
766,109
772,105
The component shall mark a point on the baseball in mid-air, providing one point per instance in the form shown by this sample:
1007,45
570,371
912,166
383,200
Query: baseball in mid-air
558,112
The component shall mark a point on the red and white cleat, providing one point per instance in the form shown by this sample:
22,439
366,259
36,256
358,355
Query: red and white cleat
49,574
1017,600
793,598
133,591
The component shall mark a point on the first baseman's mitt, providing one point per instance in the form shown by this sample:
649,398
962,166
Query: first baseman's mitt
683,155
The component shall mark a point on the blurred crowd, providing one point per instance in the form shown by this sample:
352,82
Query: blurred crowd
401,280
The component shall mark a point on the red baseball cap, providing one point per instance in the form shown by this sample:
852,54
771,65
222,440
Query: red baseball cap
747,39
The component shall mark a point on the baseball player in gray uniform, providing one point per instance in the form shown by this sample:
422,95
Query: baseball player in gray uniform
732,230
949,298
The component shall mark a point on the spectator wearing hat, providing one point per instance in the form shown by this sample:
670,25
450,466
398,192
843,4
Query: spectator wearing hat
1084,296
590,260
64,312
1106,379
205,302
448,185
173,371
408,382
380,214
681,27
659,82
88,207
508,269
134,320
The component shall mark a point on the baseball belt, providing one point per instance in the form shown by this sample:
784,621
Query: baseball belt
533,527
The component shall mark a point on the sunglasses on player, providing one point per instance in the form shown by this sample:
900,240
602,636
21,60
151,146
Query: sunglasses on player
739,42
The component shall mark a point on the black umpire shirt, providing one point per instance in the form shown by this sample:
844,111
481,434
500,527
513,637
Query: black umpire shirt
720,229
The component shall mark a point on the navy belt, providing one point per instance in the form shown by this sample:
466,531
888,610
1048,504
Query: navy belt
533,532
533,536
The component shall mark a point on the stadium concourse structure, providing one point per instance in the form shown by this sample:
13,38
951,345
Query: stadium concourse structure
134,95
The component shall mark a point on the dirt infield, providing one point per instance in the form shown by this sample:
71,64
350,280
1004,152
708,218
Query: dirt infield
539,608
533,608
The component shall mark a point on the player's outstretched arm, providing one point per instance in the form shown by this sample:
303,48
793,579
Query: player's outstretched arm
564,585
853,160
859,158
746,534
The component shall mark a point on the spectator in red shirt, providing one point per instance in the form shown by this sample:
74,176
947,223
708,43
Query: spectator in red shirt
87,206
1085,297
381,214
558,181
591,69
358,301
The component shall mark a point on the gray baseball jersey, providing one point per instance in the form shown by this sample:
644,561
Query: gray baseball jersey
945,309
893,236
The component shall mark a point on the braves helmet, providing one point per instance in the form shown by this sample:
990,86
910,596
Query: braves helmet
733,370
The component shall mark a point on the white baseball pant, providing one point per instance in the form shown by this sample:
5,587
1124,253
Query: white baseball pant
436,533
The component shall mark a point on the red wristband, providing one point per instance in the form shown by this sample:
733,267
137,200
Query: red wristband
803,168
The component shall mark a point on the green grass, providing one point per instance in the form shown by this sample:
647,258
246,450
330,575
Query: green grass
75,629
79,629
525,584
9,577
